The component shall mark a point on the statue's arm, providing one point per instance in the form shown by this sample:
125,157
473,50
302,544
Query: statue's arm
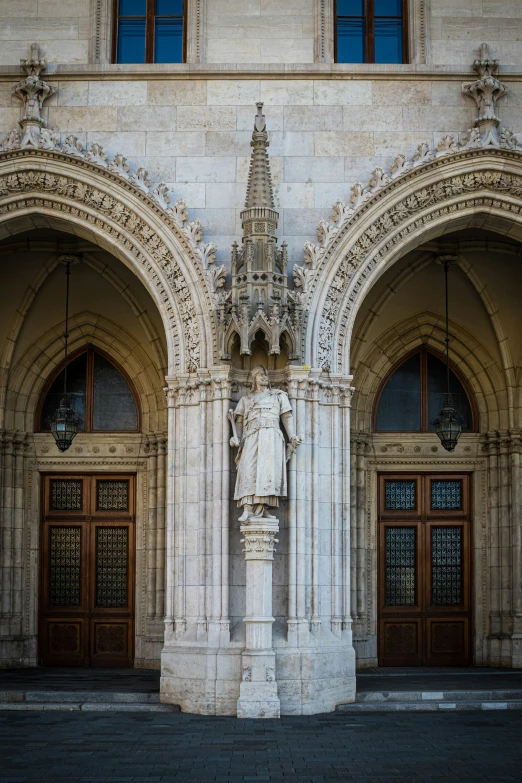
289,425
239,430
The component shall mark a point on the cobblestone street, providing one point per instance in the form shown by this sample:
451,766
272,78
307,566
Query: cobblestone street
42,746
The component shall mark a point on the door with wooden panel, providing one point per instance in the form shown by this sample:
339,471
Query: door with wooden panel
87,571
424,570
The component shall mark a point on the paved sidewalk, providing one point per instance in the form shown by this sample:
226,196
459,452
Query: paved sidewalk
438,679
375,748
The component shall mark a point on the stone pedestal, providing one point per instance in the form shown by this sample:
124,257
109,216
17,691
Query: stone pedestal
258,696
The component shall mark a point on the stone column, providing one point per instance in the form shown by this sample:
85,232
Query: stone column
258,690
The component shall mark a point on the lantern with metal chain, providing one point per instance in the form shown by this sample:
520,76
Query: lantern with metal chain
64,421
449,423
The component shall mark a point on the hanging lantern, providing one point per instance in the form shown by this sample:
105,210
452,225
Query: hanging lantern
64,421
64,424
449,423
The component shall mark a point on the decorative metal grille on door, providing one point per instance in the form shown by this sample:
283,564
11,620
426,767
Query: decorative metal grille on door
424,591
87,564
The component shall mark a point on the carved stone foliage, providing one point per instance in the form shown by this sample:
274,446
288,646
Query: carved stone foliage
126,228
32,91
395,224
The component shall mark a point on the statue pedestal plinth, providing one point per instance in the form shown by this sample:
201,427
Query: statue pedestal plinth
258,690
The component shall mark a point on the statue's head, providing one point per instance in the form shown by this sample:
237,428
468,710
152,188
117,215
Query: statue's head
259,377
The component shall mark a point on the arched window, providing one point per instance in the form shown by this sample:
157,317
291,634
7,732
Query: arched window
98,391
411,395
370,31
149,31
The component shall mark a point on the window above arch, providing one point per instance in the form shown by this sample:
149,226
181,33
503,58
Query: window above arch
412,394
99,392
149,31
371,31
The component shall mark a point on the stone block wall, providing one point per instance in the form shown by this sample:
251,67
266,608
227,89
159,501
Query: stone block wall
325,134
248,32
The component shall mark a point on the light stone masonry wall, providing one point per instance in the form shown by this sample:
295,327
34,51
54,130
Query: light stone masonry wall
325,134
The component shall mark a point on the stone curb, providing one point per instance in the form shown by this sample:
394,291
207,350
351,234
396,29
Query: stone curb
468,706
426,696
87,707
107,697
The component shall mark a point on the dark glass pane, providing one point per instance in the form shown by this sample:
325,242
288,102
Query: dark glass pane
172,7
66,495
351,40
350,8
388,40
168,40
65,559
112,548
399,495
113,404
387,8
112,495
131,41
76,380
132,7
446,566
399,406
400,566
446,495
437,389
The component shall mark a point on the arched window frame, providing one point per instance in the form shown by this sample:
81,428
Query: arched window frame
424,351
370,37
149,31
90,350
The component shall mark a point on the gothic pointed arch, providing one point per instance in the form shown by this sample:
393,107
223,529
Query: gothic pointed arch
470,187
83,197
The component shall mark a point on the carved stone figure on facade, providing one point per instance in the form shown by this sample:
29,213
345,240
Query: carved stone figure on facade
262,456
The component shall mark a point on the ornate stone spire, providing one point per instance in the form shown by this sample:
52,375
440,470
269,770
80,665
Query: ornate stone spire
259,300
32,91
259,188
485,92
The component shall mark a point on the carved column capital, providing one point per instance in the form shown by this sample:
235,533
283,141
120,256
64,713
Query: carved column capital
259,539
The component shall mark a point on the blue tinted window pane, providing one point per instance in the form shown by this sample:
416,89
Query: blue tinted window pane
350,7
132,7
166,7
131,41
388,41
388,8
351,41
437,389
168,41
400,403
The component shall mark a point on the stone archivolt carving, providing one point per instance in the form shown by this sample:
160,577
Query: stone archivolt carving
147,244
396,223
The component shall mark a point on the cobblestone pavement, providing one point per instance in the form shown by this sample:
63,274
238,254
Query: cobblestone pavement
320,749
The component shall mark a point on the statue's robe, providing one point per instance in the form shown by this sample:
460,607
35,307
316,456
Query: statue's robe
261,472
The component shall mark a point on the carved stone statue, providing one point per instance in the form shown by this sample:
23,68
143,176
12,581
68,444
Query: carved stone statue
262,456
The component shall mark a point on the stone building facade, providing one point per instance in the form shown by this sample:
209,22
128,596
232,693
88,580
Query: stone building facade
140,172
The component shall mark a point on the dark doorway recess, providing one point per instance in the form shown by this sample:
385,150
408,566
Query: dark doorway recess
87,571
424,570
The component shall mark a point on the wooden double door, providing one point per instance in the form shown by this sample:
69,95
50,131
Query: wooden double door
424,570
87,571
